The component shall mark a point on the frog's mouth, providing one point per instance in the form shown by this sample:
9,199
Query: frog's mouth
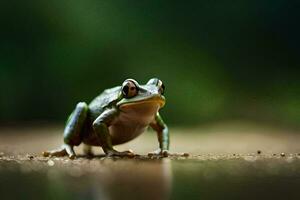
155,100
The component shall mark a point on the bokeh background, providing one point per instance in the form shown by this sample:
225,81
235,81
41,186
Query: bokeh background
231,70
219,60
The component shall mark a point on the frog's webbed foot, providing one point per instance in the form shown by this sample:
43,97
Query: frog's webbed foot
111,153
159,152
166,153
60,152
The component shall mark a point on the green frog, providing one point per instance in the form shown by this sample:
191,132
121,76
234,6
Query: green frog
116,116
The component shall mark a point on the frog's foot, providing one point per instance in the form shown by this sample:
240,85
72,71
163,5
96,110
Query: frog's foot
111,153
159,152
62,151
166,153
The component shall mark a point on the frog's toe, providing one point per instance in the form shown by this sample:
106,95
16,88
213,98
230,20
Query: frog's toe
128,153
65,150
46,153
112,153
59,152
161,153
70,151
154,153
73,156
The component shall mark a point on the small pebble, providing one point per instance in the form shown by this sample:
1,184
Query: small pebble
258,151
282,154
233,154
30,156
274,154
50,163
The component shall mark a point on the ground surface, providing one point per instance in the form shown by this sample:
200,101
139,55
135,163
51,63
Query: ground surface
232,160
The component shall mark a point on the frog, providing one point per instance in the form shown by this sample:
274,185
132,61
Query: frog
116,116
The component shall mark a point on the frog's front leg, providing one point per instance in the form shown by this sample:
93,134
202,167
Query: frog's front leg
100,126
163,136
72,132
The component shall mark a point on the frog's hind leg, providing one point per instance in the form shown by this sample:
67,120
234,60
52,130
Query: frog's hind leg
72,132
64,150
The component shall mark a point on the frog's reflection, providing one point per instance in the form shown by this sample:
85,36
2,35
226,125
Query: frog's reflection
122,179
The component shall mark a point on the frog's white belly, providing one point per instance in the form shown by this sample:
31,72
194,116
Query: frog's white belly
131,122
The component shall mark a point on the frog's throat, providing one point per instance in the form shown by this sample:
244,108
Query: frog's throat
152,100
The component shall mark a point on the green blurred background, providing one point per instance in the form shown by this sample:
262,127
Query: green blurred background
219,60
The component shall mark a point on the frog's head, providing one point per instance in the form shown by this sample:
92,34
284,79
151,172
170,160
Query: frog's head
148,95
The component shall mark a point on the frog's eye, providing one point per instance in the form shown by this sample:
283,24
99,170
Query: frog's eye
161,87
129,89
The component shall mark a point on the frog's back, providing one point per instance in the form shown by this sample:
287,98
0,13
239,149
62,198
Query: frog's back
106,99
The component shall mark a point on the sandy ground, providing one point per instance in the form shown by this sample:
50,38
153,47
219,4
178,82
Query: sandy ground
228,160
217,139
